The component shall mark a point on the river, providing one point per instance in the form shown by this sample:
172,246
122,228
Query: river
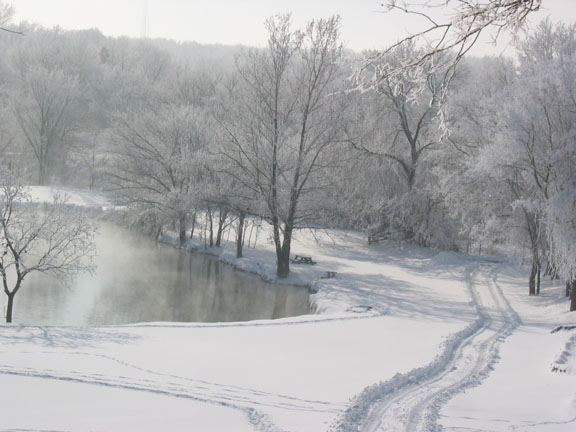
138,280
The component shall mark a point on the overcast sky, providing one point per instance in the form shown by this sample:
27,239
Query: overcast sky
241,21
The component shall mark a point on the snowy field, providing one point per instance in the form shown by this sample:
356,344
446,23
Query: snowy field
406,339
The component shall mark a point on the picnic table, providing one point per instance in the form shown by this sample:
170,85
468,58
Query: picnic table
376,237
299,259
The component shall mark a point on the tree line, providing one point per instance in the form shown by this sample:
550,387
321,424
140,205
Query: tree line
306,133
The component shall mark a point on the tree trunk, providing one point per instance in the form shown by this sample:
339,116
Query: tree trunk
10,307
538,280
204,232
532,279
250,235
283,255
567,289
222,217
181,228
551,271
548,270
211,224
42,172
283,263
573,296
193,226
282,248
240,235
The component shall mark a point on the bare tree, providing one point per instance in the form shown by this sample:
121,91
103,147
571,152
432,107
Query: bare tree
286,122
6,14
398,127
54,239
6,135
410,111
159,161
44,115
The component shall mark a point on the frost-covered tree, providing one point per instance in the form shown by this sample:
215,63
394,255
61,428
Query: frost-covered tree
455,25
6,134
504,182
286,123
450,26
236,191
513,146
158,163
6,14
54,239
548,57
541,121
473,112
562,229
44,113
403,133
409,110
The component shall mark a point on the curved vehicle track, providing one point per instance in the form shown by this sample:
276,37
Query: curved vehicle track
412,402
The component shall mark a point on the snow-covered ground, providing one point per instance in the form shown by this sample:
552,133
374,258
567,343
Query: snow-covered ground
73,196
532,386
406,339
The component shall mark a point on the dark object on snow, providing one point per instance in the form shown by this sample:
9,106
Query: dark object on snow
567,327
298,259
329,275
376,237
359,309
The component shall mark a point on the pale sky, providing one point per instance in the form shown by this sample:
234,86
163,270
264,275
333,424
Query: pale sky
241,21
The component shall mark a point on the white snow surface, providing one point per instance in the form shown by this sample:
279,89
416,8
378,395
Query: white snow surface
405,339
73,196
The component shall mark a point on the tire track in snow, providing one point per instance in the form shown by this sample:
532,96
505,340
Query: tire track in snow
234,397
411,402
202,389
543,423
503,321
147,380
259,420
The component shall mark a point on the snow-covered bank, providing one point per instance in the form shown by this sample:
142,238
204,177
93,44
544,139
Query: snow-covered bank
401,331
372,280
74,196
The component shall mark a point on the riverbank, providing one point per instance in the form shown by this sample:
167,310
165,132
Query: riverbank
393,323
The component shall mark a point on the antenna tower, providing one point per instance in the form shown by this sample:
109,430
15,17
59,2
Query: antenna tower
146,19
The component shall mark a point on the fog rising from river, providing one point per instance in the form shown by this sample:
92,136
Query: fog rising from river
138,280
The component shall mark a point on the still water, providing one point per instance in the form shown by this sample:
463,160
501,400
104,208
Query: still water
138,280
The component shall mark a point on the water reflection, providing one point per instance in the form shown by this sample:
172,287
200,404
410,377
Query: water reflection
140,281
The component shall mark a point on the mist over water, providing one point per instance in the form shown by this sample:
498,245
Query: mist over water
138,280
